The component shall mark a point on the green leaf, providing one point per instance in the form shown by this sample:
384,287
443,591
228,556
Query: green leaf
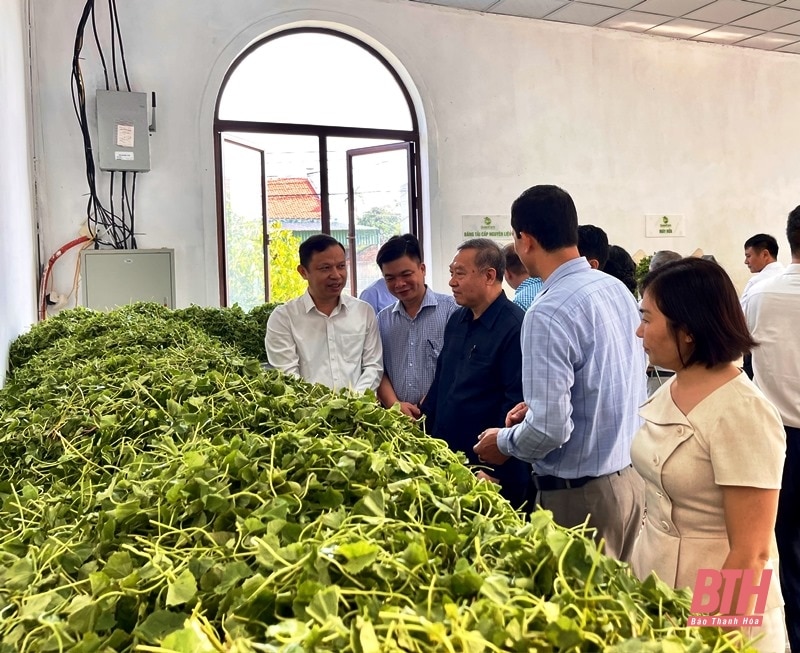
190,639
19,575
495,587
371,505
159,624
366,636
325,605
182,590
119,565
359,555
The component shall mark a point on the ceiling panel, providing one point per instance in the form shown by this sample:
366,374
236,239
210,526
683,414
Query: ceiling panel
725,11
763,24
794,28
770,18
682,28
727,34
619,4
527,8
475,5
634,21
583,14
769,41
672,7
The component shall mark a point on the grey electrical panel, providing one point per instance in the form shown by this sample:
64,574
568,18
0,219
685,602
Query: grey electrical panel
115,277
123,137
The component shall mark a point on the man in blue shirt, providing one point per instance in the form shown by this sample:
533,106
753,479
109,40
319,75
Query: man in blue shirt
525,286
412,328
583,378
478,374
377,295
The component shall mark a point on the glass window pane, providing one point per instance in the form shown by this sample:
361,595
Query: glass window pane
380,189
315,79
294,207
244,225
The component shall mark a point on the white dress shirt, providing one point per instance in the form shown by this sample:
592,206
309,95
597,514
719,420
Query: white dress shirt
768,272
773,315
342,350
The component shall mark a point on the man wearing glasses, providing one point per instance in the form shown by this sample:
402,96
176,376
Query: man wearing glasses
479,371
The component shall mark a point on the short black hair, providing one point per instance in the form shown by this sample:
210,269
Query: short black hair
593,243
763,241
793,232
398,247
314,244
487,255
698,296
621,265
513,264
548,214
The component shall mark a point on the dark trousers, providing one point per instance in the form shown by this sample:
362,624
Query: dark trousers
787,533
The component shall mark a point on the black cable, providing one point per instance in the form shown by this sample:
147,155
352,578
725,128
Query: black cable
113,46
121,47
99,47
117,232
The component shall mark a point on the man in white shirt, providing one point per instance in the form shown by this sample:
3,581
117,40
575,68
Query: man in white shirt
324,336
761,257
773,316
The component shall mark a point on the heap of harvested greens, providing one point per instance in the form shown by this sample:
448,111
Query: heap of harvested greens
160,492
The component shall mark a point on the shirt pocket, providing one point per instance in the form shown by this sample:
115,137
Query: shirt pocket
350,346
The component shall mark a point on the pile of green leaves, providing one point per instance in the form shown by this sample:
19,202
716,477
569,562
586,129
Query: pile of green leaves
232,326
160,492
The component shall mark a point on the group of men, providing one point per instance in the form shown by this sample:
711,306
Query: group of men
543,402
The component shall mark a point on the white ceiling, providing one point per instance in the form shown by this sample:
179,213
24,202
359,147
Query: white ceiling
761,24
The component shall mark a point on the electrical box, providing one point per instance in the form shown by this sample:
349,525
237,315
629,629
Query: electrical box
115,277
123,136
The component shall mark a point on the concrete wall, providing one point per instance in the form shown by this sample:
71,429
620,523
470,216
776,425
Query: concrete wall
17,249
629,124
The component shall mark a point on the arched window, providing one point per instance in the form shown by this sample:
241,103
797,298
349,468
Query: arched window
314,132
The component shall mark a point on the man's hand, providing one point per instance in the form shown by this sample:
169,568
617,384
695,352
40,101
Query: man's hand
487,448
483,476
409,409
516,414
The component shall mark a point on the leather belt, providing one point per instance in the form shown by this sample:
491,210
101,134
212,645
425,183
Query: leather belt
550,483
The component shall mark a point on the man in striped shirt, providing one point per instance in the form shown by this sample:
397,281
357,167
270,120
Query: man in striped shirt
583,380
412,329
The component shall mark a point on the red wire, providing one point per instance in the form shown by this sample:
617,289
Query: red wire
48,268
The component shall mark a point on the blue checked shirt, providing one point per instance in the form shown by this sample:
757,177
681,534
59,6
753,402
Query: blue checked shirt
583,376
411,346
526,292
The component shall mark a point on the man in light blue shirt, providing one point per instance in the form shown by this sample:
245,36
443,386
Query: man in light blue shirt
377,295
525,286
412,329
583,375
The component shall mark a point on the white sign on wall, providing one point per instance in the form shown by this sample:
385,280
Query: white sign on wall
663,226
496,227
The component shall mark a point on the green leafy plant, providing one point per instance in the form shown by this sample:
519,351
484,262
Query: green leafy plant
642,268
160,492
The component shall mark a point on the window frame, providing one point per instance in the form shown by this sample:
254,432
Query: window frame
322,132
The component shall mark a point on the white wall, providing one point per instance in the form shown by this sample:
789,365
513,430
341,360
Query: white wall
629,124
17,250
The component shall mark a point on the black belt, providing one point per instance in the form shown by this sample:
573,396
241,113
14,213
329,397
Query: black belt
550,483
